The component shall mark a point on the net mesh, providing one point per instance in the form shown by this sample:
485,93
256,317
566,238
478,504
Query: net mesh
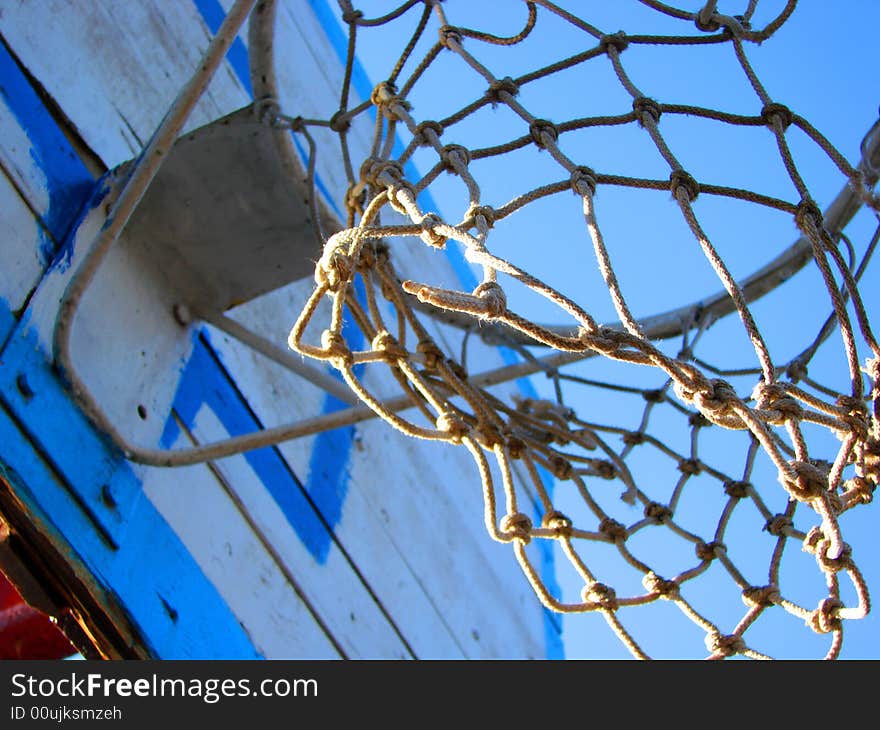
778,474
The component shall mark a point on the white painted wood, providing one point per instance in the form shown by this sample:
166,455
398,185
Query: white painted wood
412,518
234,560
332,588
19,164
462,570
118,67
125,338
19,246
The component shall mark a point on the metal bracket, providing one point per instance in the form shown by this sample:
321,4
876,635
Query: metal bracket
222,219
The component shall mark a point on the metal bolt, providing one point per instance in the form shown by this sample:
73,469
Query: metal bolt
107,496
24,387
182,314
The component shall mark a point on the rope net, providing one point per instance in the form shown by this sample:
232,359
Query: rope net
786,458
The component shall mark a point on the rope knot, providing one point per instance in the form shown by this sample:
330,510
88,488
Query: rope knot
825,618
707,20
796,371
666,589
690,467
381,172
653,396
560,467
487,211
454,426
779,525
714,399
351,16
604,469
334,268
633,438
384,98
560,524
429,234
737,490
449,35
605,339
718,400
366,259
516,447
809,482
818,545
645,108
517,526
613,530
493,298
773,397
708,551
506,84
870,458
386,343
337,350
541,129
603,596
859,490
658,513
422,129
356,197
455,156
724,646
773,113
681,181
617,41
489,435
583,181
856,416
808,216
340,122
760,596
432,354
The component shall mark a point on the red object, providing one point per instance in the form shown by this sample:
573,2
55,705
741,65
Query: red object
26,633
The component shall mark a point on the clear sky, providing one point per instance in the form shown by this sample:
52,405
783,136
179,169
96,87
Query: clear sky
822,65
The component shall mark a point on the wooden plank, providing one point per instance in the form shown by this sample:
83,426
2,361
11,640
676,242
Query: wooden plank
405,486
244,572
114,100
284,517
22,263
358,528
37,157
119,67
125,338
97,509
43,185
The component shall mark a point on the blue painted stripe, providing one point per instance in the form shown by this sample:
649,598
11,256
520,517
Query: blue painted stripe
68,182
213,14
129,549
204,382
